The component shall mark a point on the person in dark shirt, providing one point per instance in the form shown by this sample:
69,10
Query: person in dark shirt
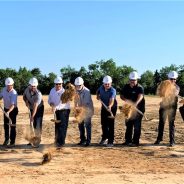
133,92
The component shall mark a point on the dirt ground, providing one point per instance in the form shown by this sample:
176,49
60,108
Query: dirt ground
94,164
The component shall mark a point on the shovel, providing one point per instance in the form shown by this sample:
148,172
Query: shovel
34,140
111,114
10,121
140,112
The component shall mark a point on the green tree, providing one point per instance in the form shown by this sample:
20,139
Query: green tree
147,81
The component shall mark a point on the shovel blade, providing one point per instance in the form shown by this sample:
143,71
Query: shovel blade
56,121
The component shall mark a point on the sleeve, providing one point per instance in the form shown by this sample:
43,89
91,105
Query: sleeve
141,90
1,94
24,96
113,94
38,98
13,98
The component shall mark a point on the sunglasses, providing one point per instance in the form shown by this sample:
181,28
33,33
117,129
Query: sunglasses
58,84
172,79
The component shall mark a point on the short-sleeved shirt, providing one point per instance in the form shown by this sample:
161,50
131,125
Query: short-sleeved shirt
9,97
33,97
106,95
55,98
132,93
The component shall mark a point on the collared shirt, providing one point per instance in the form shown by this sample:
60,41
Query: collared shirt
9,97
132,93
32,97
106,95
55,99
85,98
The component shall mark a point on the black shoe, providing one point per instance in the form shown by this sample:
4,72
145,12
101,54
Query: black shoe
110,145
127,144
103,141
5,143
157,142
172,144
59,145
135,145
29,144
82,143
87,144
12,145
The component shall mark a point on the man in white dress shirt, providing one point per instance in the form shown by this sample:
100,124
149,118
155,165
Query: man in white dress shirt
61,110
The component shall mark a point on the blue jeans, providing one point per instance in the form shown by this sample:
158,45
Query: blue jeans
61,128
86,124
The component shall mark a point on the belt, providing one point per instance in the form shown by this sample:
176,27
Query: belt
63,110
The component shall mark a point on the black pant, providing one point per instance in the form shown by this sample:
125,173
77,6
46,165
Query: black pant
61,128
38,118
135,124
108,125
182,112
10,131
163,114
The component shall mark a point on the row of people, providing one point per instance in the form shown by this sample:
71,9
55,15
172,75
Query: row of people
106,94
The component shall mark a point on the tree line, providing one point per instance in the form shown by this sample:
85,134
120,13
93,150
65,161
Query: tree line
92,76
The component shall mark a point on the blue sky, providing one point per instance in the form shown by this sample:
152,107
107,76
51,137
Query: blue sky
146,35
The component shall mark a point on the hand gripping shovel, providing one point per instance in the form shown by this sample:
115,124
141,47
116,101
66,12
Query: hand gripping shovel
140,112
10,121
55,119
111,114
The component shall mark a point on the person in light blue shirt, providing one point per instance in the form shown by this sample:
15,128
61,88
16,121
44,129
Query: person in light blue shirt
107,94
9,96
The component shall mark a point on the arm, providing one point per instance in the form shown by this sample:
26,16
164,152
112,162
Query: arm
111,102
10,109
140,97
35,107
13,100
98,94
50,102
25,99
112,98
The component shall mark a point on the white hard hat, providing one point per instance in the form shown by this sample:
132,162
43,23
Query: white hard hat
58,80
33,82
9,81
133,75
79,81
107,79
173,75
